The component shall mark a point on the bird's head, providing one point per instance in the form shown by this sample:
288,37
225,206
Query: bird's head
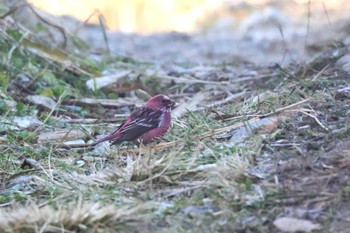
160,101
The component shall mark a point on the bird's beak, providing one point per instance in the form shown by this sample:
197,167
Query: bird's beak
173,104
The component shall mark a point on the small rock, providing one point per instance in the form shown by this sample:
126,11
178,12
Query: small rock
344,62
17,123
27,122
342,93
80,163
29,162
42,100
287,224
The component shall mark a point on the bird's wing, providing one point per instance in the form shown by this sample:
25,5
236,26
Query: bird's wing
141,121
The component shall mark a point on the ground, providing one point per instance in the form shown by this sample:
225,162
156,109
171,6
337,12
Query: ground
259,142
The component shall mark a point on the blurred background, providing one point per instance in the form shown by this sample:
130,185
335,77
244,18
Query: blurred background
179,15
205,31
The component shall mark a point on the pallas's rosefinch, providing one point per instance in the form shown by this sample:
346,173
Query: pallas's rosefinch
144,124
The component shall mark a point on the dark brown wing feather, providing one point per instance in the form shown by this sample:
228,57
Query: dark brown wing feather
142,120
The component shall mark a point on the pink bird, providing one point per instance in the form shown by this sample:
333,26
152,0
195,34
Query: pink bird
144,124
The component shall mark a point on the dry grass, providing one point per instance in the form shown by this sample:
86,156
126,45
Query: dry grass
71,217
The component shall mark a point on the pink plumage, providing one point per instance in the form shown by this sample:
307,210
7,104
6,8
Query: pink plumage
144,124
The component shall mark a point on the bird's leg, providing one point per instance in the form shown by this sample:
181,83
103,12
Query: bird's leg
149,168
140,159
137,143
146,162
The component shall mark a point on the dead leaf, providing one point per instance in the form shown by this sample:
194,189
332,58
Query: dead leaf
63,135
104,81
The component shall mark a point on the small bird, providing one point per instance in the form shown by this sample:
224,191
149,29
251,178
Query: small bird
145,123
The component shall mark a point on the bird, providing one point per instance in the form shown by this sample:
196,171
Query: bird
150,121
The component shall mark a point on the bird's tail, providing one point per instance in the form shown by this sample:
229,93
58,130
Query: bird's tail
113,136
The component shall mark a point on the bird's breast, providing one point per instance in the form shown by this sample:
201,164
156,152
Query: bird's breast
165,118
163,126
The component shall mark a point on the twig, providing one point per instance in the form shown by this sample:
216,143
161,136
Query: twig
108,103
326,12
271,113
228,99
320,72
13,10
95,120
307,112
50,24
191,80
102,21
308,25
246,79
